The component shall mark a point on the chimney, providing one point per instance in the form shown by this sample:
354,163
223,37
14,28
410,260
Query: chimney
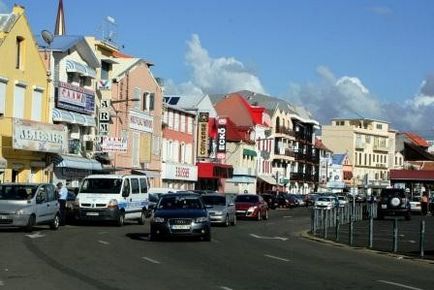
60,20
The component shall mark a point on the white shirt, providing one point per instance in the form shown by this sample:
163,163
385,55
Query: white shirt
63,193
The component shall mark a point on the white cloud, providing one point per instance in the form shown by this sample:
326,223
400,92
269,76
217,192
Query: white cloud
215,75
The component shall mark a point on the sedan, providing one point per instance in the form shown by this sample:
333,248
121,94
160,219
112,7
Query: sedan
251,206
180,215
326,202
221,209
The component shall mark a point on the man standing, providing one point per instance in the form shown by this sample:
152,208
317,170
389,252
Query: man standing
62,195
424,203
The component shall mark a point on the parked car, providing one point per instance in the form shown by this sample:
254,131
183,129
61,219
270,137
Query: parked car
393,202
180,215
343,200
286,200
251,206
415,206
270,200
326,202
28,205
299,199
221,209
310,199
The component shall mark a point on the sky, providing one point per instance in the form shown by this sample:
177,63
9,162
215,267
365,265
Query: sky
373,58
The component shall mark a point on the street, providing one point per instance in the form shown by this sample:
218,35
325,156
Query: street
252,255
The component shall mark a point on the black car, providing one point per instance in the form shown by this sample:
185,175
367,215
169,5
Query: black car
270,200
180,215
393,202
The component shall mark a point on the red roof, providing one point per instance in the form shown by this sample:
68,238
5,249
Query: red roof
416,139
320,145
411,175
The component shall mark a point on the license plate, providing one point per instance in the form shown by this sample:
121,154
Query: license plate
384,206
181,227
92,213
241,211
3,217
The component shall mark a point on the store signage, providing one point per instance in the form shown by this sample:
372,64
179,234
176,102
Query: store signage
221,138
179,172
141,122
75,98
202,144
114,144
35,136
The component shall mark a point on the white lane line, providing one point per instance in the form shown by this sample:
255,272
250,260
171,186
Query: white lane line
268,238
35,235
103,242
399,285
1,283
287,216
277,258
151,260
225,288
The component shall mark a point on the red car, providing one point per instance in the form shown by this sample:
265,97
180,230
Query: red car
251,206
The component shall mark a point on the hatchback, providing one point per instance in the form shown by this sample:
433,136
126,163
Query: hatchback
251,206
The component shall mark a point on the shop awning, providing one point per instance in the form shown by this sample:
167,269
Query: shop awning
148,173
73,118
402,175
214,170
249,152
73,66
267,179
76,162
241,179
3,163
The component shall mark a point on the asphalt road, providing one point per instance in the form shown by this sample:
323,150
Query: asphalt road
252,255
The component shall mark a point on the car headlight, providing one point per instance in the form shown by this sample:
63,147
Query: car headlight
252,208
112,203
158,220
201,219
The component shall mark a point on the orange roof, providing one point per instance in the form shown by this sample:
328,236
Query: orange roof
416,139
319,145
119,54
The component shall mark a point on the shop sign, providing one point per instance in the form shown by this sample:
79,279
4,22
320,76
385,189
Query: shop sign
202,144
74,98
179,172
114,144
221,138
141,122
35,136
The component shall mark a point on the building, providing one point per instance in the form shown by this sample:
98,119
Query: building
26,134
325,163
367,142
179,170
340,173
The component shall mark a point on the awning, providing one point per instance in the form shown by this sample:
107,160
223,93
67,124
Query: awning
241,179
214,170
76,162
397,175
73,118
249,152
73,66
267,179
148,173
3,163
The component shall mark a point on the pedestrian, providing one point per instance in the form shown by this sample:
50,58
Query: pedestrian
424,203
62,193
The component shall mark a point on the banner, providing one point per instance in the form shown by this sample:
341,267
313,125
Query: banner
74,98
202,135
114,144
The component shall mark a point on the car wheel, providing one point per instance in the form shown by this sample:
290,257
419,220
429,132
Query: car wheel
266,215
55,223
259,215
234,221
142,218
30,224
227,221
121,219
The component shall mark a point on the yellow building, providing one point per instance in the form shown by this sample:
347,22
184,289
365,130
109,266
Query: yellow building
26,136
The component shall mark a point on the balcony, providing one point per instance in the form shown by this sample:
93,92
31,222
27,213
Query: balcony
285,131
360,145
381,147
284,153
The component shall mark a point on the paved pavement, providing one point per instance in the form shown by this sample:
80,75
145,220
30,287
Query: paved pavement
408,235
252,255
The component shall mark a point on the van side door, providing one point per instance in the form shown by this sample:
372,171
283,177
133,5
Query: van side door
144,186
134,208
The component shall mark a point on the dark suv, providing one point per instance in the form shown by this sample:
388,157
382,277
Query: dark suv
393,202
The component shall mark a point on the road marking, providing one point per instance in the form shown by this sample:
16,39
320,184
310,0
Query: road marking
277,258
215,241
103,242
399,285
412,241
225,288
151,260
268,238
35,235
287,216
1,283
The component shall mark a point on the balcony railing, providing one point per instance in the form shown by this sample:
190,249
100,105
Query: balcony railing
285,130
360,145
380,147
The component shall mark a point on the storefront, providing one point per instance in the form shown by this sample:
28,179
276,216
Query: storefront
179,176
211,176
71,169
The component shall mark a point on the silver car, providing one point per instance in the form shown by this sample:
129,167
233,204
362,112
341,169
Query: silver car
27,205
221,209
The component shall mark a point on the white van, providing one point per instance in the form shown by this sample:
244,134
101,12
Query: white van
113,198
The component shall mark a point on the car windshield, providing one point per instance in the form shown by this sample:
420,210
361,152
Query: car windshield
17,192
246,198
214,200
323,199
180,202
392,192
341,198
101,185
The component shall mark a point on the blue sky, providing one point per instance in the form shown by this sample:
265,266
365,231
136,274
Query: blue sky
329,56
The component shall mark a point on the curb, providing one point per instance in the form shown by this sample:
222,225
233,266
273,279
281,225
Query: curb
306,235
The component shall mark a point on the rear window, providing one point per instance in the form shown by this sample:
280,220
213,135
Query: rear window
392,192
214,200
247,198
180,202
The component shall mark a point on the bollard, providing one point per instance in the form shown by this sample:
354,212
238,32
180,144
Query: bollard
371,231
326,221
351,230
395,235
337,228
422,238
312,222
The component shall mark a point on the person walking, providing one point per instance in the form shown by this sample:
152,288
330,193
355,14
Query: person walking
424,203
62,193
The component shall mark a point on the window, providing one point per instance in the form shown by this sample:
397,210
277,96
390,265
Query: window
379,126
3,84
170,119
19,52
135,189
143,185
190,125
151,101
183,118
176,121
105,69
136,149
37,105
19,94
137,93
